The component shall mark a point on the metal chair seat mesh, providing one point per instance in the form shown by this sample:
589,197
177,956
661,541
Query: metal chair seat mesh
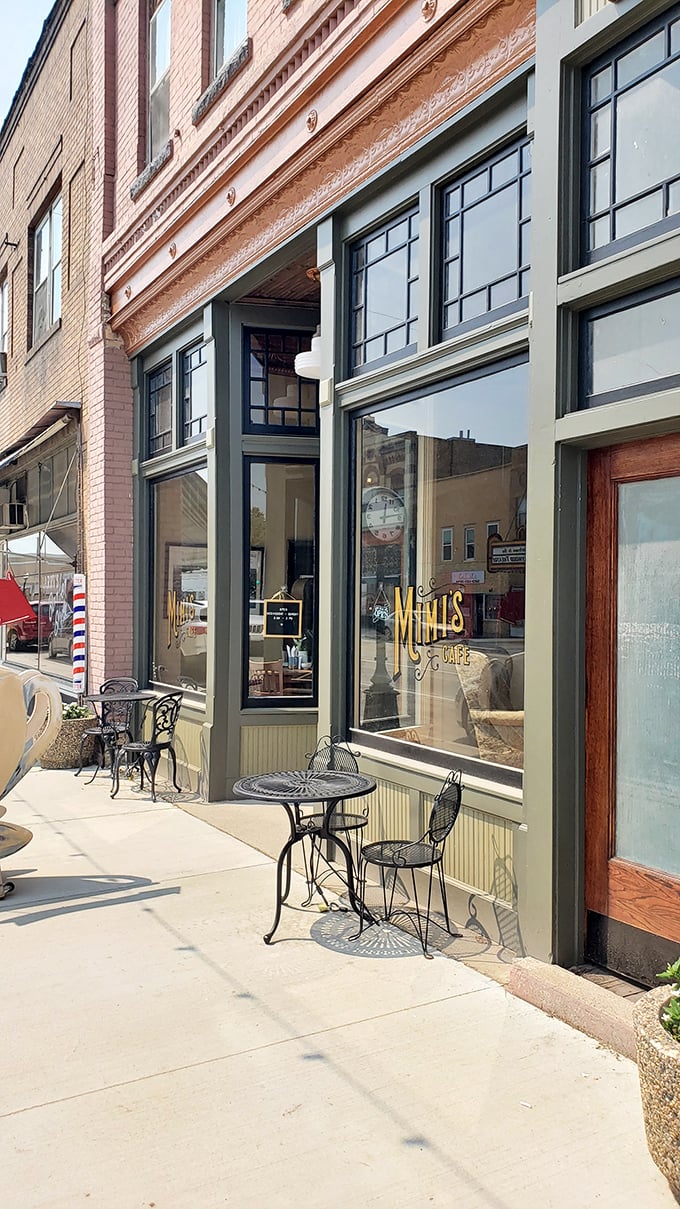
395,854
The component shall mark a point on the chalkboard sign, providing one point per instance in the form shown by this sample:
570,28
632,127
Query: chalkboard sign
282,618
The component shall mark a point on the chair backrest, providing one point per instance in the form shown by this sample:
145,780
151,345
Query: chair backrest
164,715
332,753
117,713
445,808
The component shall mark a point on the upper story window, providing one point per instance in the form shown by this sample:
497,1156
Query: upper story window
447,544
194,392
486,244
47,271
632,179
159,387
159,76
230,27
4,329
276,399
384,293
469,542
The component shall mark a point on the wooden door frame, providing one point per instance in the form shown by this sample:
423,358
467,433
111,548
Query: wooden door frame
616,888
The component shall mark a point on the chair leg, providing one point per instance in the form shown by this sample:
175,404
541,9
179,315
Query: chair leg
153,758
173,758
442,887
115,773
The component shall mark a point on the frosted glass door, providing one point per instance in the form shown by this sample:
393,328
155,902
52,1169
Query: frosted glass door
647,806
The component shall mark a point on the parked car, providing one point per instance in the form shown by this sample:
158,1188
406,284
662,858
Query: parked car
24,633
61,638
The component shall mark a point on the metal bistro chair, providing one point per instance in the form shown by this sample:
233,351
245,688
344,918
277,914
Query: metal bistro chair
114,722
394,856
332,753
164,713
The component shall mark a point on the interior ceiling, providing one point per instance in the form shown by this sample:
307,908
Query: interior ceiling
290,284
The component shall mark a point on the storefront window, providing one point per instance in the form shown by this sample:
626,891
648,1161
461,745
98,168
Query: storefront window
277,400
43,564
384,272
487,239
440,626
631,348
632,180
180,581
194,393
280,577
159,385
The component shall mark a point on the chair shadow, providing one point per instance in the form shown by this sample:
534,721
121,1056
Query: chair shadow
337,930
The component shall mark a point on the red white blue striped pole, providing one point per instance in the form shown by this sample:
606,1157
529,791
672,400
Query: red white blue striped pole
79,632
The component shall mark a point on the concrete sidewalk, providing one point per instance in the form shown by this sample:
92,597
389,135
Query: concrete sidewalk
158,1054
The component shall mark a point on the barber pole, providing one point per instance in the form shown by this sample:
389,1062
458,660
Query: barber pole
79,616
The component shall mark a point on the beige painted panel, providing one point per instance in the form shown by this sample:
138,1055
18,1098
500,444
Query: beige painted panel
588,8
269,748
388,812
479,854
188,742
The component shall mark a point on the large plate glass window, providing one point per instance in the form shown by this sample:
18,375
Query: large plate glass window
230,29
276,399
280,579
436,667
632,348
487,234
180,581
384,293
632,178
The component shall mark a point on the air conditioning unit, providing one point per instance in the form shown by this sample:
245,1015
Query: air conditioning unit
13,516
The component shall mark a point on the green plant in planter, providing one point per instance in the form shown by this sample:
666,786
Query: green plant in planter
670,1016
76,711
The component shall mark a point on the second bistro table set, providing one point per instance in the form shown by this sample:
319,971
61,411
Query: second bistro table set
294,791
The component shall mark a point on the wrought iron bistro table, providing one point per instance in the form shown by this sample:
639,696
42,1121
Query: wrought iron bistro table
130,697
292,790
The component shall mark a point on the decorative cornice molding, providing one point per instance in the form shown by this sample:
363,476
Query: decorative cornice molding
425,90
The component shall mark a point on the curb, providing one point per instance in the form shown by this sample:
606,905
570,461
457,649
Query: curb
591,1009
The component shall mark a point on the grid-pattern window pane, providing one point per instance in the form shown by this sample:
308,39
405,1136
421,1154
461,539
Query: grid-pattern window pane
487,238
230,29
276,398
47,271
194,393
160,409
159,77
632,175
384,292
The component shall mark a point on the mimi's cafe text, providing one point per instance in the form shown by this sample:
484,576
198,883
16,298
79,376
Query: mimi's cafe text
180,614
425,621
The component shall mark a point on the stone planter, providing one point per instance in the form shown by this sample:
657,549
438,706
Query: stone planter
64,752
659,1068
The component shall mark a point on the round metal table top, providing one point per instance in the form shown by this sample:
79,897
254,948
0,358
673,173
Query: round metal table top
13,838
304,786
133,695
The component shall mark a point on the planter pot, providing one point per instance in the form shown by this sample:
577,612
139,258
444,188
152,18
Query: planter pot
65,751
659,1067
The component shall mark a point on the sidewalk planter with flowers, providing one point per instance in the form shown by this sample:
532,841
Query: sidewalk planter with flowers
656,1018
65,751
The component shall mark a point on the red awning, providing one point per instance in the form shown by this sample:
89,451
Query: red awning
13,604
